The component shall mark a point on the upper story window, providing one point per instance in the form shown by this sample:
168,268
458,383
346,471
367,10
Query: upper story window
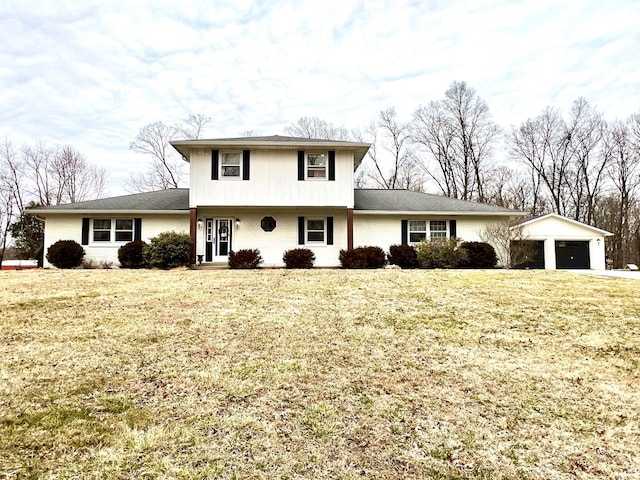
112,229
230,164
316,165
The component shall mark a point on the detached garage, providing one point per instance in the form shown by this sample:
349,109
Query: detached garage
562,243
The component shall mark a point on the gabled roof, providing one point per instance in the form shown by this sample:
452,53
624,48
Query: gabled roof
564,219
159,201
409,202
274,142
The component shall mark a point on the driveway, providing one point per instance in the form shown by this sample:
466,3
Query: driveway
631,274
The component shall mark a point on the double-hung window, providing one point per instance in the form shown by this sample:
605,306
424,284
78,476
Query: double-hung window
316,165
230,164
438,229
316,230
420,230
112,229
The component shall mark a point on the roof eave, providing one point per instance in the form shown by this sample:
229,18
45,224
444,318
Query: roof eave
95,211
439,212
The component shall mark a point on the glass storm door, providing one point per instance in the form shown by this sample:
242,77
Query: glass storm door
217,242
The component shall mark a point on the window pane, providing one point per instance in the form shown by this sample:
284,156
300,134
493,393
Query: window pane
316,160
101,235
316,173
231,159
230,171
315,236
124,224
418,225
315,225
102,224
438,226
124,236
417,237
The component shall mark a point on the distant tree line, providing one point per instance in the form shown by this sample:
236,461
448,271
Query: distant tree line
40,175
578,165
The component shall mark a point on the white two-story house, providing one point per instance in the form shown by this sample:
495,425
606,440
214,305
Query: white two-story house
271,193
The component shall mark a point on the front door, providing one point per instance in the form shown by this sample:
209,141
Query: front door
218,236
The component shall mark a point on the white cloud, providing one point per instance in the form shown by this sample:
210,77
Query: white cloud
92,73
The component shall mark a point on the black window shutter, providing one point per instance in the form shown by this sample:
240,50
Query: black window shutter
329,230
245,164
300,164
332,165
137,229
453,228
214,164
300,230
85,231
405,232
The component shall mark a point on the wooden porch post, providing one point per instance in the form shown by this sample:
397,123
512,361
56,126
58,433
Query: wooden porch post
193,229
349,228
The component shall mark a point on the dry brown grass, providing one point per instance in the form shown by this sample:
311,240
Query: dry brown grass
318,374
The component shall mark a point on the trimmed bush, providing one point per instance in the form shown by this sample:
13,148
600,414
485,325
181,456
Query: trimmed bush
65,254
299,258
440,253
130,255
479,255
362,257
168,250
245,258
405,256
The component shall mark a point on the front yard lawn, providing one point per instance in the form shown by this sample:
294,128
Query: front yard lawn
318,374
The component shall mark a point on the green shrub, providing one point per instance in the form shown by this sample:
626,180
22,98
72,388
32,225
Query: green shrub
65,254
245,258
440,253
362,257
299,258
130,254
168,250
479,255
405,256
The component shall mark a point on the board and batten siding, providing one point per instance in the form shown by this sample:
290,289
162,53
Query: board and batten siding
273,182
69,227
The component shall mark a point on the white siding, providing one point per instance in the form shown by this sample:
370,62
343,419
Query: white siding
386,230
273,182
553,228
249,235
69,227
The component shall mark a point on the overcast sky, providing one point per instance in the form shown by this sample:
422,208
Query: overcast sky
91,73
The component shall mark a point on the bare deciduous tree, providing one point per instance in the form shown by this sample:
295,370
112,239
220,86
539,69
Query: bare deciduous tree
314,127
391,161
457,134
542,144
510,242
167,169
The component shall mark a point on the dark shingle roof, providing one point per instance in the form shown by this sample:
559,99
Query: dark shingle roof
177,199
161,200
408,201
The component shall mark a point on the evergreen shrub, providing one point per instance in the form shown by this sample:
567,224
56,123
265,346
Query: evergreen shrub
131,255
479,255
245,259
362,257
405,256
299,258
441,253
65,254
168,250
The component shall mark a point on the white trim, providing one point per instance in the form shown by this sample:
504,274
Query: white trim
569,220
306,230
326,165
422,213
